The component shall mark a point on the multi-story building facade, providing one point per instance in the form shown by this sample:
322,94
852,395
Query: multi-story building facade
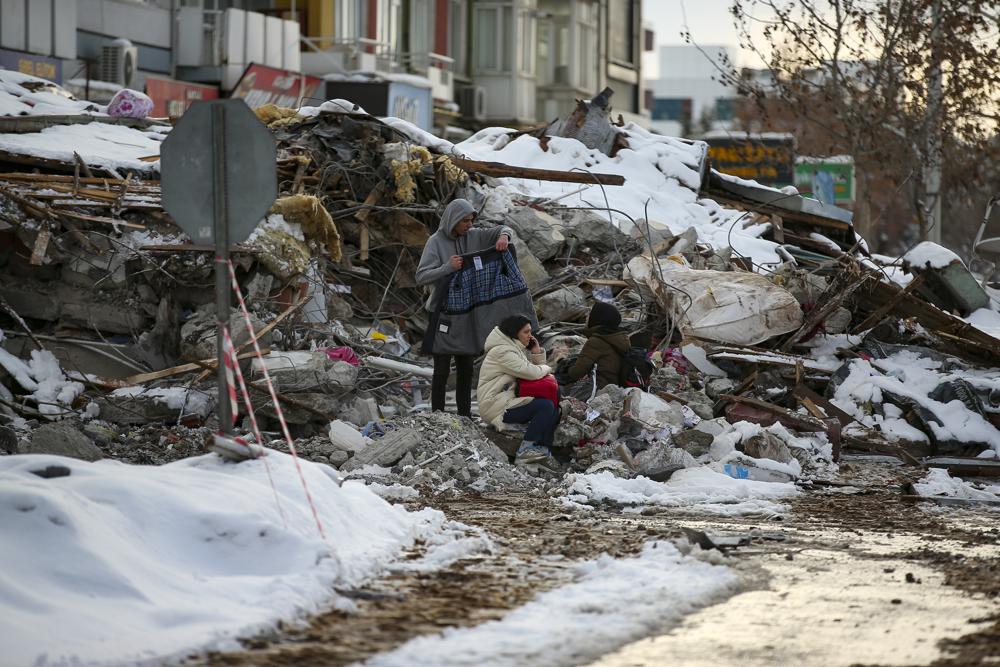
472,62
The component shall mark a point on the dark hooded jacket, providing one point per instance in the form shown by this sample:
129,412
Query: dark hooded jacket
443,244
605,347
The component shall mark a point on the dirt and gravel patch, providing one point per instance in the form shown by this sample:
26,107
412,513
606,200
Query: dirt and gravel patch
536,541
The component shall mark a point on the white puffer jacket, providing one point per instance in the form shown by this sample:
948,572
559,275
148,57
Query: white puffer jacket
506,360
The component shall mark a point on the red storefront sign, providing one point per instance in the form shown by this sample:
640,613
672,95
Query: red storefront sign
262,85
172,98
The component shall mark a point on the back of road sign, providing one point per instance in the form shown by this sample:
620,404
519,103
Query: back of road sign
187,166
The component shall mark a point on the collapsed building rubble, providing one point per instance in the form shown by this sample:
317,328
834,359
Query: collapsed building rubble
779,342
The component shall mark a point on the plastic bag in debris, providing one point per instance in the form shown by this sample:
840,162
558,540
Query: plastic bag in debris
724,306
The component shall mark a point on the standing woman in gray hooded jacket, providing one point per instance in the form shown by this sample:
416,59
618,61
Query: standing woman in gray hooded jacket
442,256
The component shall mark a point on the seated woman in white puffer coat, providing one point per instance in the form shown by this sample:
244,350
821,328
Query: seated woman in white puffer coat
513,354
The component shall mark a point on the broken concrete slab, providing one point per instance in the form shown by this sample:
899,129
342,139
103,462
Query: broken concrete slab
765,445
385,451
198,333
589,229
695,442
304,371
62,439
566,304
534,273
539,230
308,408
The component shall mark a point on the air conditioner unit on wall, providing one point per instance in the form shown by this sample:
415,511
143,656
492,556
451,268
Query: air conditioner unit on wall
472,100
118,63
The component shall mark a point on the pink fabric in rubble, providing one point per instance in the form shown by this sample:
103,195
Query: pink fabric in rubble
343,354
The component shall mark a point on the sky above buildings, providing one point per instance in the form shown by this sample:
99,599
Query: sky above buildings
709,22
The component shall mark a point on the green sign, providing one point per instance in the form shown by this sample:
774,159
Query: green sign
823,178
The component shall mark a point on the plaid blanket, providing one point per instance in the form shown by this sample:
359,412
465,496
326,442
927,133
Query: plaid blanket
474,299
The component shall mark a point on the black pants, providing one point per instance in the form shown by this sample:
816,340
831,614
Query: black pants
463,384
541,416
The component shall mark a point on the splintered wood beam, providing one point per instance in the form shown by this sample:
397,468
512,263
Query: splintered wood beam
499,170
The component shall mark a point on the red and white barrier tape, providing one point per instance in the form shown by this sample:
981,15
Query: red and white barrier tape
274,397
229,363
233,361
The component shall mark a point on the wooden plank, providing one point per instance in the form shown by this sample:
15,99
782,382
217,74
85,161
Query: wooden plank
605,281
884,309
803,392
177,370
801,422
58,178
786,214
191,247
500,170
32,124
97,218
41,246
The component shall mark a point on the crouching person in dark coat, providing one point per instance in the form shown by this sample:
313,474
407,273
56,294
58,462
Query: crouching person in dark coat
600,360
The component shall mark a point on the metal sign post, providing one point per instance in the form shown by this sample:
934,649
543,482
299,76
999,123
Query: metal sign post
222,287
219,178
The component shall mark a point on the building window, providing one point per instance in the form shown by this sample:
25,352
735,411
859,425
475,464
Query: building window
526,36
672,108
492,43
421,34
352,19
586,44
725,108
457,36
621,32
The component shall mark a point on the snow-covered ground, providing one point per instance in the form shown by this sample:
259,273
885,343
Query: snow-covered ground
122,564
611,603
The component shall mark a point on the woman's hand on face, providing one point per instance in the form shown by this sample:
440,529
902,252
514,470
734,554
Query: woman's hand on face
533,345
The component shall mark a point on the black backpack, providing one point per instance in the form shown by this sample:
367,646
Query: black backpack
636,369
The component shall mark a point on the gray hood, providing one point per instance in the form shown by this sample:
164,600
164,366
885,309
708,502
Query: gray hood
454,212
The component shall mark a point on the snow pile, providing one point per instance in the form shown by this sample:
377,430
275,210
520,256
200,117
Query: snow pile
660,170
26,95
930,255
938,483
44,378
611,603
700,489
99,144
986,320
118,563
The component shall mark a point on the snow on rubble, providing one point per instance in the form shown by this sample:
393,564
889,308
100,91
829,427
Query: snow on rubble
602,610
660,171
98,144
147,563
43,377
